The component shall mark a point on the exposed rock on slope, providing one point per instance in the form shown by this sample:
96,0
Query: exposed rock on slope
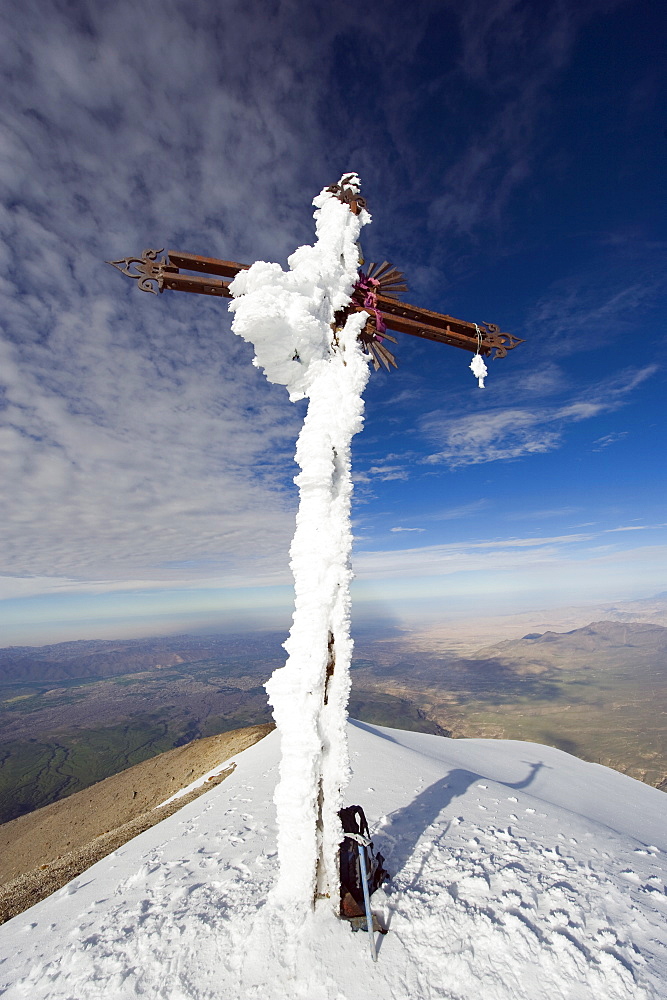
43,850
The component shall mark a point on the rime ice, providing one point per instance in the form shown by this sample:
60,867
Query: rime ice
287,315
479,369
290,319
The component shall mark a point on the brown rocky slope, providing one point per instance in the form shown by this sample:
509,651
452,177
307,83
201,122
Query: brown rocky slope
45,849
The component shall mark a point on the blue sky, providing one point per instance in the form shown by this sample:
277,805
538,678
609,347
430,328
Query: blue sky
512,155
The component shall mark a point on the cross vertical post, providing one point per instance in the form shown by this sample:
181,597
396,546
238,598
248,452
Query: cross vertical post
312,312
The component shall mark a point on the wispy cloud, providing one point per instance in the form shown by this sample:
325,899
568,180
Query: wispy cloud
135,437
587,309
460,511
517,50
387,472
436,560
607,439
511,433
545,514
570,552
383,473
636,527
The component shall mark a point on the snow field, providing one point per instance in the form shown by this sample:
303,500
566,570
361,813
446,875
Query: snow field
518,872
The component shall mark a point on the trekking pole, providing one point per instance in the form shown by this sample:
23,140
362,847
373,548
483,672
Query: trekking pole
367,901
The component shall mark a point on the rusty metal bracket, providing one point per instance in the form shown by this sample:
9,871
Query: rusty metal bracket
501,343
147,269
346,191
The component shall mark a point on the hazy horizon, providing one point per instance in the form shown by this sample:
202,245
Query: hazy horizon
464,619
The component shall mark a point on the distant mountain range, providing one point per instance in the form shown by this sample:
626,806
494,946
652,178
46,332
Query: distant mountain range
610,646
75,712
99,658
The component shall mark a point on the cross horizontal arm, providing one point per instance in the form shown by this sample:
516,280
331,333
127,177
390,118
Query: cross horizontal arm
176,282
443,329
210,265
166,274
155,275
425,331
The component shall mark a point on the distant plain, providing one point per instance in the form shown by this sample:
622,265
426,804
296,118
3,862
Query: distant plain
74,713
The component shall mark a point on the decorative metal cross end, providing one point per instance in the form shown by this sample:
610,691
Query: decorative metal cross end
493,339
347,190
148,269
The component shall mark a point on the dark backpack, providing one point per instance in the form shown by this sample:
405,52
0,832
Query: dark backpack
351,887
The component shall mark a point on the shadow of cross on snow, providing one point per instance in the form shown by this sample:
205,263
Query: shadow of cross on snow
405,826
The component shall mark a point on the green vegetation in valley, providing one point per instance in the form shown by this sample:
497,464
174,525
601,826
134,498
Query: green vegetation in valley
35,772
387,710
67,735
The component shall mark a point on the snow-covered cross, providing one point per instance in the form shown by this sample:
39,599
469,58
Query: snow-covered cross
314,329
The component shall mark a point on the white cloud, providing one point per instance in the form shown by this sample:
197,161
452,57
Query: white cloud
545,514
586,309
637,527
607,439
462,510
513,432
490,436
385,473
136,437
134,469
517,559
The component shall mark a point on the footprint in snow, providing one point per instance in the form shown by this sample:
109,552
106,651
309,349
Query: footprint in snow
558,917
606,935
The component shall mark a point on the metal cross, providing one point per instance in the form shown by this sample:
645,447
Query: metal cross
377,292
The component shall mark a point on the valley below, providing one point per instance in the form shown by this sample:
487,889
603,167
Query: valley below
74,713
598,692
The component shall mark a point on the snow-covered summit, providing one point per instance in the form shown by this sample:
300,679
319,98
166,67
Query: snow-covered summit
518,872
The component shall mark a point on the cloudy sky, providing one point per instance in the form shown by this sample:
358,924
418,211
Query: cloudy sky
512,154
